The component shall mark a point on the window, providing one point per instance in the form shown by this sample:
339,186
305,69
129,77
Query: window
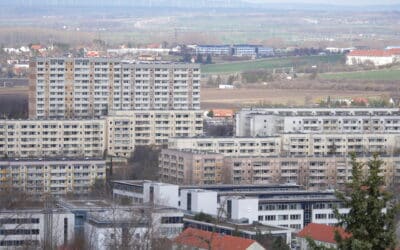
283,217
270,217
295,216
65,231
320,216
189,202
171,220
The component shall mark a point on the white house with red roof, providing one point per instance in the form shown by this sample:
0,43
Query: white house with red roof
376,57
323,235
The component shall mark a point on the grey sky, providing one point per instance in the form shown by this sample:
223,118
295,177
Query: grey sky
341,2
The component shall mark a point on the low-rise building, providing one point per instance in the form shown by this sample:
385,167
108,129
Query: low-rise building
213,50
51,176
36,228
106,224
375,57
193,238
285,205
244,230
323,235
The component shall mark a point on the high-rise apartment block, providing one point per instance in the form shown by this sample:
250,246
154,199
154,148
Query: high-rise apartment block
90,87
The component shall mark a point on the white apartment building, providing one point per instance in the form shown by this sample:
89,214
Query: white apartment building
53,176
91,87
298,144
154,127
36,228
279,205
271,121
52,138
117,133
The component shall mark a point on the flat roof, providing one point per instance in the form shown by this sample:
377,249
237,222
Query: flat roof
254,228
46,159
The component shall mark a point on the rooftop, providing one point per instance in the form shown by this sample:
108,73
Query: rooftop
199,239
321,232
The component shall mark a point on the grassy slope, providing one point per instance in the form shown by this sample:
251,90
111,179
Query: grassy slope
386,74
268,64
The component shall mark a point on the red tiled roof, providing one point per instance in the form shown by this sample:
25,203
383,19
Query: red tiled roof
200,239
36,47
394,51
372,53
223,112
321,232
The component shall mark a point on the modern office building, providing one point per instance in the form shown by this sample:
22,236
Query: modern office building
126,129
51,176
36,228
91,87
271,121
245,50
191,167
214,50
106,224
285,205
52,138
296,144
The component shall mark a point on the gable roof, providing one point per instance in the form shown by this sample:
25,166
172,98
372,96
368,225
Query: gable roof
199,239
223,112
371,53
321,232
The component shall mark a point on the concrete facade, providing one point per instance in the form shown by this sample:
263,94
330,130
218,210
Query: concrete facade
51,176
91,87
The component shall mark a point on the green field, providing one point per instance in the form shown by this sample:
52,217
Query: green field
375,75
270,63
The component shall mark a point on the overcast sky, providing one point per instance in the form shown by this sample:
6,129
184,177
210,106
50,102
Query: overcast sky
341,2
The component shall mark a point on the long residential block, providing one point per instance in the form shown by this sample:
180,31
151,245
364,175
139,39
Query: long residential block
52,176
91,87
116,134
270,121
297,144
313,172
52,138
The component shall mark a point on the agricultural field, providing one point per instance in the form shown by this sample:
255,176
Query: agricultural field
243,97
374,75
270,63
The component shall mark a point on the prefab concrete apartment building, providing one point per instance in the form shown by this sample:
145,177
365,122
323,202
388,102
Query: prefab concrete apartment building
313,172
90,87
261,122
51,176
